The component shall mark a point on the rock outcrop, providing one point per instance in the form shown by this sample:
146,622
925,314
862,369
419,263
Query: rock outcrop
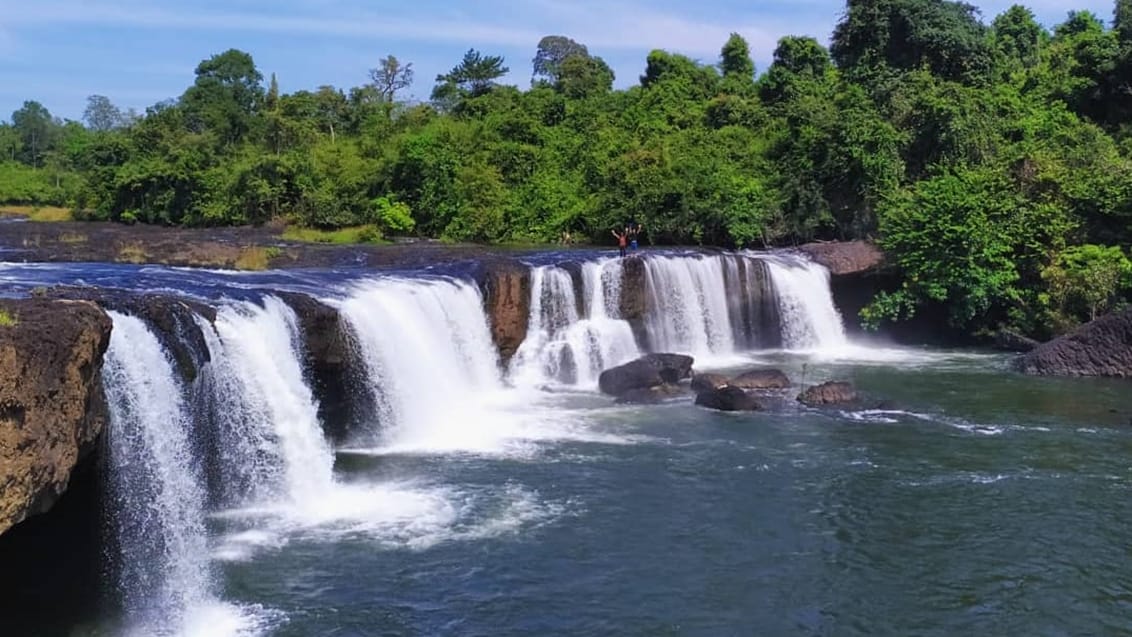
1100,348
761,379
171,318
707,382
728,398
52,408
845,257
328,358
830,393
506,289
634,297
652,370
1011,341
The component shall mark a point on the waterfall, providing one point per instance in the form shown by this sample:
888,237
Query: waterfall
433,368
688,306
805,303
154,484
269,440
563,346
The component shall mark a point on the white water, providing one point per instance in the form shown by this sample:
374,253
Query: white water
688,308
432,366
158,494
563,347
270,440
810,321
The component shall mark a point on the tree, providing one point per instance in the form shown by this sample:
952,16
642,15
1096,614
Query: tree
906,35
474,76
391,76
581,76
552,52
1018,36
101,114
34,124
226,96
1122,21
735,59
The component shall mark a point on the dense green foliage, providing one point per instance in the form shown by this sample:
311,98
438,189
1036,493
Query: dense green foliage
993,162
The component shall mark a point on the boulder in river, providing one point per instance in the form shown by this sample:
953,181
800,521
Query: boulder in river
707,382
728,398
830,393
648,371
1100,348
650,395
761,379
52,408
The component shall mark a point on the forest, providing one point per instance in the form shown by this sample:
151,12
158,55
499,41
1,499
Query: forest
991,158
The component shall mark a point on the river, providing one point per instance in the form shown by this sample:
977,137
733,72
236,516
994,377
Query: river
960,498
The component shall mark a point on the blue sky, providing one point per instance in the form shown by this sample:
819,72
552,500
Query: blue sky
139,52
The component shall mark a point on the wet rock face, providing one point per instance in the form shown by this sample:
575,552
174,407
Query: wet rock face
172,319
52,408
1100,348
761,379
728,398
333,370
845,257
634,297
708,382
646,372
830,393
506,287
1011,341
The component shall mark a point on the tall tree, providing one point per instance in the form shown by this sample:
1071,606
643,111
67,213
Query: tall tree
391,76
735,59
1018,36
34,124
101,114
475,75
552,52
1122,21
581,76
942,35
226,95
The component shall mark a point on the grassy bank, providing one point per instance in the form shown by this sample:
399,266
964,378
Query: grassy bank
38,213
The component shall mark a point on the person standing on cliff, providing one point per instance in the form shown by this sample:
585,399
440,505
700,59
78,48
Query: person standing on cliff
622,239
634,229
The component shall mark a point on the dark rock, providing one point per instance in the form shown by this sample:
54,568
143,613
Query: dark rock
1011,341
845,257
728,398
1100,348
645,372
753,304
707,382
651,395
52,407
171,318
830,393
634,297
506,286
330,361
761,379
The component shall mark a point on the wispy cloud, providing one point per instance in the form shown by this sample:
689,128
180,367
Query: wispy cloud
364,25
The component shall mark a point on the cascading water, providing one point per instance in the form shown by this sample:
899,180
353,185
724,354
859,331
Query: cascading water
688,307
157,491
270,442
433,368
810,319
562,346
